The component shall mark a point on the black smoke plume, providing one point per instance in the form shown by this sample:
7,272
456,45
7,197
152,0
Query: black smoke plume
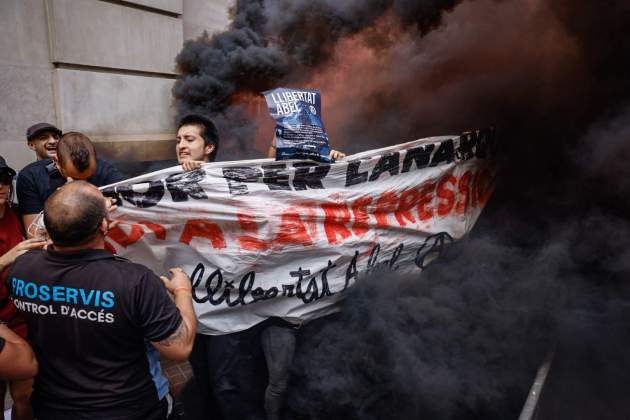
272,42
548,263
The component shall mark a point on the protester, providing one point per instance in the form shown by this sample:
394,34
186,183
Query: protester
17,361
75,159
89,314
42,138
218,362
197,141
278,338
12,245
222,364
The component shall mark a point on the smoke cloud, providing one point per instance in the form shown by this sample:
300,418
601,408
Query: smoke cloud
273,42
547,264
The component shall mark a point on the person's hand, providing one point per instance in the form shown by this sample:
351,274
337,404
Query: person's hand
179,281
110,204
9,257
337,155
271,152
111,224
191,165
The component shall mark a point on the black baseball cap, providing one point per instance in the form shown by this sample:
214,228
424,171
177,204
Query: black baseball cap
5,168
35,130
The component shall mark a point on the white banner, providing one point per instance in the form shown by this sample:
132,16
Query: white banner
265,238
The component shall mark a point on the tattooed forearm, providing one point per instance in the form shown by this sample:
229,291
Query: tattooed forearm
178,337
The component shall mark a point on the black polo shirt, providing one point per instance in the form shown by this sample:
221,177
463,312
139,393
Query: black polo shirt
88,315
38,180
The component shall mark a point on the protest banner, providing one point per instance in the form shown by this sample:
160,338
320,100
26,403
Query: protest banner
263,238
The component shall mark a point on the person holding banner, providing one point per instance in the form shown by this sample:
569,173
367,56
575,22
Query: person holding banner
89,314
278,338
197,141
221,364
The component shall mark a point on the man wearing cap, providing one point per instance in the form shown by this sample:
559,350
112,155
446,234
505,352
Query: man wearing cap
75,158
42,138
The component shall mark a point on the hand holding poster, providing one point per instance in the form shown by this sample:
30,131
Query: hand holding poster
300,132
263,238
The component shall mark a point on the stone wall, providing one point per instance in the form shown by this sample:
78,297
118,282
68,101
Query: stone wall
103,67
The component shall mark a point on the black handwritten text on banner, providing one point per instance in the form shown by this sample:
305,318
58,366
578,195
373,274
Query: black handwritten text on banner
263,238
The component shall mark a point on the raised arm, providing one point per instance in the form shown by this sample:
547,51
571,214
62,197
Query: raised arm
179,344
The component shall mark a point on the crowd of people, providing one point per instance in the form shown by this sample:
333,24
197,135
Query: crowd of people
82,330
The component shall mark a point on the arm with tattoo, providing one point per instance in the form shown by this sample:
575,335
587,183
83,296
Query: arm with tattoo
179,344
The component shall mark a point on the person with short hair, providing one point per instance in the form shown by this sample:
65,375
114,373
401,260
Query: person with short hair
12,245
42,138
220,363
75,159
89,314
197,141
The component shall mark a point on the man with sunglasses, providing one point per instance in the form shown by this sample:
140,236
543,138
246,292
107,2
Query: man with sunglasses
75,159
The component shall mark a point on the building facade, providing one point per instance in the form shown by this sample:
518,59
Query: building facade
102,67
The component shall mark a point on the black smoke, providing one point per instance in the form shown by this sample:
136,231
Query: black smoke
547,265
273,42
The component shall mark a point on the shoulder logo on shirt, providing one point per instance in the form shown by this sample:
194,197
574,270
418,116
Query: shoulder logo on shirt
60,300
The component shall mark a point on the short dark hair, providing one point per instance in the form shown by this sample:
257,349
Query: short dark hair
78,148
73,213
208,130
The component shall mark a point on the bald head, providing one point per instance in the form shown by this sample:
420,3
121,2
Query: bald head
76,157
74,213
